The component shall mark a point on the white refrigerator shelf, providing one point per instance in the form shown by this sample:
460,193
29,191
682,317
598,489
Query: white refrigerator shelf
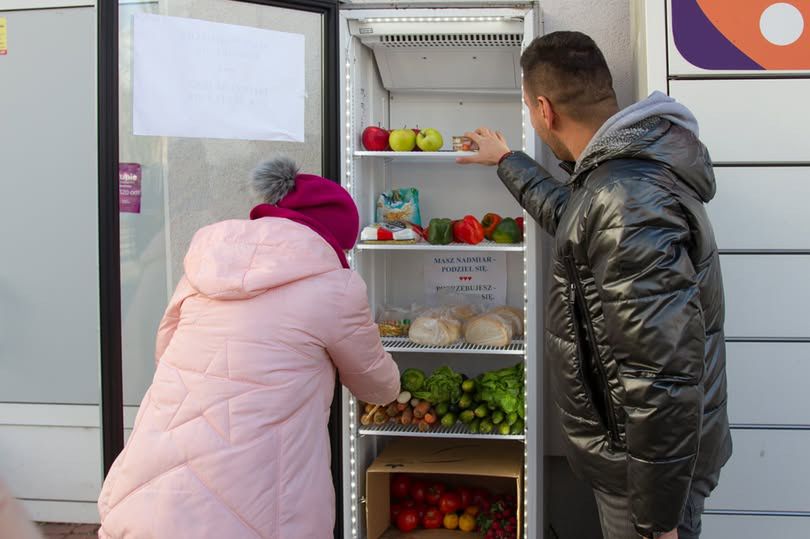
459,430
404,344
424,246
447,156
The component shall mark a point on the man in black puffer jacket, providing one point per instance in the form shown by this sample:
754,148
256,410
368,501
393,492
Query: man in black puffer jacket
634,324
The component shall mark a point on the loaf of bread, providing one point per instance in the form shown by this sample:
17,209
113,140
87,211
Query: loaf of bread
463,312
514,316
435,330
488,330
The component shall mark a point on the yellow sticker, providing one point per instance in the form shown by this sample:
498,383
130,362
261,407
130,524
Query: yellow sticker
3,44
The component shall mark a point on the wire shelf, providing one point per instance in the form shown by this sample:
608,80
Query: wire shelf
459,430
404,344
485,245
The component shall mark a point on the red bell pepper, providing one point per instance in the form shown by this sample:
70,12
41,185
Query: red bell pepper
468,230
490,223
519,221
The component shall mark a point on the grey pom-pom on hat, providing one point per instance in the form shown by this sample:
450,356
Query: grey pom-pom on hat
274,179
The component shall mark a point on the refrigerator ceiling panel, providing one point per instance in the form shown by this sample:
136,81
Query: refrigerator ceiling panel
444,53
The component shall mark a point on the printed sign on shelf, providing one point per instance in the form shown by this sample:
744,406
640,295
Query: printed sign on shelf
129,188
477,274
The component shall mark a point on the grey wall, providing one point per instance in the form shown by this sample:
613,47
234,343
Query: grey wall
571,510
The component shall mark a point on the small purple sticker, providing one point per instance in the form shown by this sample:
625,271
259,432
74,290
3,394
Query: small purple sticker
129,187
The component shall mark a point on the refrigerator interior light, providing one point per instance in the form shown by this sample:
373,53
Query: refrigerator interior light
431,19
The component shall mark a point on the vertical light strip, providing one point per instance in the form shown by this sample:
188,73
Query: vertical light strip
526,332
350,187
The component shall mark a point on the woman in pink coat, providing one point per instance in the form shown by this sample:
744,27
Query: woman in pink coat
231,438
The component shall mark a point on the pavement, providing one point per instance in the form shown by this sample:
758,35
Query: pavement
53,530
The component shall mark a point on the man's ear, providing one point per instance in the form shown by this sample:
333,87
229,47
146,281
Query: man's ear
546,111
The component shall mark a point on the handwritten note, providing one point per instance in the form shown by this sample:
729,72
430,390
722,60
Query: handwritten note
481,275
201,79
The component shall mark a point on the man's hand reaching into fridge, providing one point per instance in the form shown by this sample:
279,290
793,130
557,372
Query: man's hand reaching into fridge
491,146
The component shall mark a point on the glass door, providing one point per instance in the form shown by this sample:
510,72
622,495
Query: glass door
206,90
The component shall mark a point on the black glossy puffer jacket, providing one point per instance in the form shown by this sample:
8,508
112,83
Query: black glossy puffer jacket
634,320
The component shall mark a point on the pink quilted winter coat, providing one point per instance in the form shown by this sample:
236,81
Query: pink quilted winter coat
231,438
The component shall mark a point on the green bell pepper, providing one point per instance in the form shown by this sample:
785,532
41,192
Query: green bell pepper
507,231
440,231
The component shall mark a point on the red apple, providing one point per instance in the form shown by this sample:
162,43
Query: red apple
375,139
416,148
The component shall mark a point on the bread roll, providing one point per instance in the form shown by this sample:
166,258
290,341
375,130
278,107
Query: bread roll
514,316
462,312
435,331
488,330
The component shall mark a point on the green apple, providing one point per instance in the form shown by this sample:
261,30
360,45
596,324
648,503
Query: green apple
402,140
429,140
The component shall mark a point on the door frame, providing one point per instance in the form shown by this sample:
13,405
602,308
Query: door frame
112,396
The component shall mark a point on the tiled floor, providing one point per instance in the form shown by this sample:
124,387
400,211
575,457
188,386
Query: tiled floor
68,531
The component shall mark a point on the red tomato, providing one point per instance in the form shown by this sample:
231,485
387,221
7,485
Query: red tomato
421,509
433,519
466,496
434,493
418,490
400,486
408,520
396,509
408,504
450,502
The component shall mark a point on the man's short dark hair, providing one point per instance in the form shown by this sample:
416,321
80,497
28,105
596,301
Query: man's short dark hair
570,71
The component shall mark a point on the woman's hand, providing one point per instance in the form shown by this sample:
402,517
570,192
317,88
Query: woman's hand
491,147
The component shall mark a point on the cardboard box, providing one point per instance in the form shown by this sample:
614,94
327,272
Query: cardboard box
496,465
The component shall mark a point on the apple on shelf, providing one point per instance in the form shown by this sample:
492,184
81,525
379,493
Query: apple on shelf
375,138
402,140
429,140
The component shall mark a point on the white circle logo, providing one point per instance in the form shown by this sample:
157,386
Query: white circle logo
781,23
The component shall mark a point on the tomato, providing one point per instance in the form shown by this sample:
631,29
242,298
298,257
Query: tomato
418,490
466,523
451,521
466,496
421,509
450,502
479,495
408,520
434,493
400,486
396,509
408,504
432,519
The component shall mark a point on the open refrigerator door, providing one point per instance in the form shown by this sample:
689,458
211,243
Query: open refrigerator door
451,262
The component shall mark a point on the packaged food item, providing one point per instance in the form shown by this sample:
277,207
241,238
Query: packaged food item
394,232
513,316
399,205
462,144
435,328
394,321
488,330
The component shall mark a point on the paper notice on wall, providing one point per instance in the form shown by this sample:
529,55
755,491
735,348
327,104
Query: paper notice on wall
3,36
475,274
129,188
194,78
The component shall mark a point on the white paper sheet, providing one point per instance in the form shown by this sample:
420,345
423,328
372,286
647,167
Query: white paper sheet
477,274
201,79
